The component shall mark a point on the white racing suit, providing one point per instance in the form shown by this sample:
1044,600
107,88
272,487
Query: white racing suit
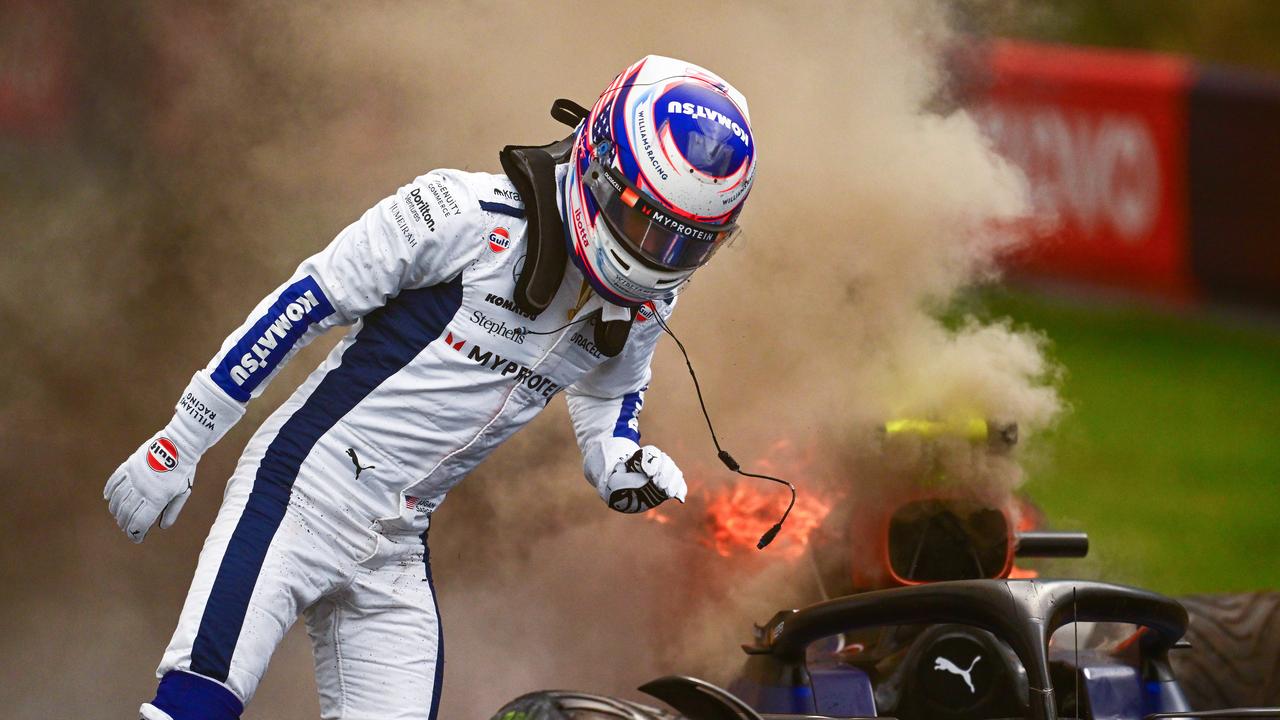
327,511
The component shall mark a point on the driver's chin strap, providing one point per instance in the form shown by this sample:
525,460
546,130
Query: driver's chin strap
532,169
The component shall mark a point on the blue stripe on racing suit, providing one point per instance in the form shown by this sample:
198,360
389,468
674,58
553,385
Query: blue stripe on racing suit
502,208
439,677
626,425
266,344
392,336
187,696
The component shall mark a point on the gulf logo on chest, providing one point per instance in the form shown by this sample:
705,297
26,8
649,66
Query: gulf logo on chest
499,239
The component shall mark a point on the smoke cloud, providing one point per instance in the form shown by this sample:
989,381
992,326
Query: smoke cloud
217,146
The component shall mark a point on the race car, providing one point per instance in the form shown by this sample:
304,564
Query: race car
947,626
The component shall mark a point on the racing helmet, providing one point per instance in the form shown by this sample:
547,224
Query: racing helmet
659,172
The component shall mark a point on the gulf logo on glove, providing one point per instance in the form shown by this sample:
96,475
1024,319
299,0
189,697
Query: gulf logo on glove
499,239
162,456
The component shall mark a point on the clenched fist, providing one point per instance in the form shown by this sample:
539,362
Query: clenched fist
643,481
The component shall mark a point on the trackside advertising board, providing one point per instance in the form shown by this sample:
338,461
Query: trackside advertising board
1102,136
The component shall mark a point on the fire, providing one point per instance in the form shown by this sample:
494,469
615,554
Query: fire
738,515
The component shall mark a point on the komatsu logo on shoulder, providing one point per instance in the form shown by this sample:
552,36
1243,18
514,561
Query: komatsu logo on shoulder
509,305
262,348
695,110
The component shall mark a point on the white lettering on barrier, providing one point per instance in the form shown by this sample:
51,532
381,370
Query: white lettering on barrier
1092,168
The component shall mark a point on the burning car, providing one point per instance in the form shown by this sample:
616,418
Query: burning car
945,624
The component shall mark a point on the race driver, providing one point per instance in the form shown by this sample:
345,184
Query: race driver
327,512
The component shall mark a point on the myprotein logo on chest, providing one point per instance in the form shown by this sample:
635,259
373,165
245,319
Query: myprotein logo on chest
523,374
506,366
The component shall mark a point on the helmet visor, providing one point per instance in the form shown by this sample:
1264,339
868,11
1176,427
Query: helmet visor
653,234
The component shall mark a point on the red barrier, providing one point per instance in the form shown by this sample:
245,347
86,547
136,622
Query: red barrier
1102,137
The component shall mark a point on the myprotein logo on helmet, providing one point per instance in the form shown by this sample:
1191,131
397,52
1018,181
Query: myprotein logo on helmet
162,455
499,239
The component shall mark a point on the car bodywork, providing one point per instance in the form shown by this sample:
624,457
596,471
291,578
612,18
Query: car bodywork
946,626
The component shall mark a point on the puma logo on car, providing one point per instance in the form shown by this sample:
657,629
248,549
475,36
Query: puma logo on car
351,453
945,665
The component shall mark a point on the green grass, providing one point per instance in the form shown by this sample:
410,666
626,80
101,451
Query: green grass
1170,454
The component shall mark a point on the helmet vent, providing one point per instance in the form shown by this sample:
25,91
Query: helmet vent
625,265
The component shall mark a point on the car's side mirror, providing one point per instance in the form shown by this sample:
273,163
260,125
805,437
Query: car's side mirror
1052,544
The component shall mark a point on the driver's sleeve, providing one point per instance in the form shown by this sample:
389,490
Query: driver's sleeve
605,403
405,241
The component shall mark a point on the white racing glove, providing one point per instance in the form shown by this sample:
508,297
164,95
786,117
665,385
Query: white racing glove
640,478
156,479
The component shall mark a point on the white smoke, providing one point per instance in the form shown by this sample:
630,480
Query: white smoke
282,121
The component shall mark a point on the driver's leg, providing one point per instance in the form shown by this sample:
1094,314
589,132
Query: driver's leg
379,647
255,573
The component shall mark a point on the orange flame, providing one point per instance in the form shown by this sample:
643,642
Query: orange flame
738,513
737,516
